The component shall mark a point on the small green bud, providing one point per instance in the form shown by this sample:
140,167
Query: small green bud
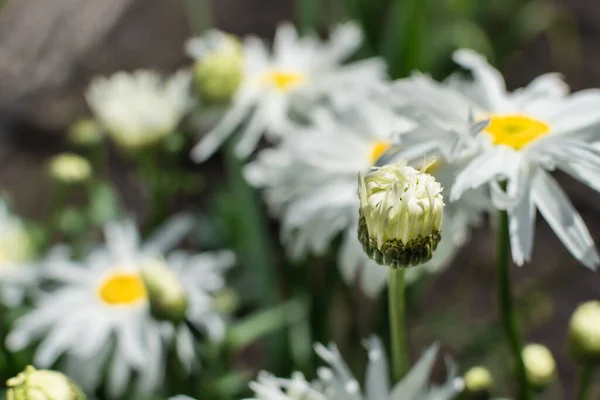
168,300
33,384
401,212
85,132
69,168
539,366
478,381
584,332
219,72
226,301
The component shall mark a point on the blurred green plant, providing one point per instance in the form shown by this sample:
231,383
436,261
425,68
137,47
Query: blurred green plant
421,34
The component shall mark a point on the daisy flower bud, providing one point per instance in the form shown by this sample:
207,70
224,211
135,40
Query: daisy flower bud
69,168
33,384
218,73
166,294
85,132
540,366
401,212
584,332
478,381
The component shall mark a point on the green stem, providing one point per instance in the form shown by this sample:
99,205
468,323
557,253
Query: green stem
506,305
397,309
584,384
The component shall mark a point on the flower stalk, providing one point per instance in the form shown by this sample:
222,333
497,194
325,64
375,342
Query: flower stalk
585,379
506,305
397,314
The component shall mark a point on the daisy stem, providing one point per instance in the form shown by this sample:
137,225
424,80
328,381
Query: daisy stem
507,307
397,310
585,379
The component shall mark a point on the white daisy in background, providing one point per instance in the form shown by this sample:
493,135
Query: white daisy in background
531,131
100,314
310,182
17,253
138,109
335,382
297,74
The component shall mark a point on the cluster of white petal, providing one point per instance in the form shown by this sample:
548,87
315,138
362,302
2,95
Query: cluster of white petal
295,76
336,382
93,331
507,143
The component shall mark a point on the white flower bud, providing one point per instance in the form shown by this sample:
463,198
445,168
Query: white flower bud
401,212
584,332
69,168
42,385
85,132
168,300
218,73
478,380
539,366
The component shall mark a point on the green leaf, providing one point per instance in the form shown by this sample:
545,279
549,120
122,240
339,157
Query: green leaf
266,322
308,15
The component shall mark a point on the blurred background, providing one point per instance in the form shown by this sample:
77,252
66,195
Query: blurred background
50,49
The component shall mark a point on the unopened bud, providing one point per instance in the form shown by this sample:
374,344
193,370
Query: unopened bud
168,300
401,212
584,332
478,381
85,132
218,70
69,168
539,366
33,384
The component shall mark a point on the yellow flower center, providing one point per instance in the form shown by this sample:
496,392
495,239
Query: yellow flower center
122,288
284,80
377,149
514,130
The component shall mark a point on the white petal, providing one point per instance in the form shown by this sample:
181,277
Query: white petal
487,77
344,40
252,132
562,217
185,348
213,139
522,229
377,384
172,232
578,111
412,386
486,167
118,376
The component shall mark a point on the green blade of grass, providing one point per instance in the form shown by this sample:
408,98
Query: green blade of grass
308,15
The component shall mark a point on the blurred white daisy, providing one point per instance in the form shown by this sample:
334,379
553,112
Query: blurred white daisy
310,182
531,131
138,109
17,253
297,74
100,314
335,382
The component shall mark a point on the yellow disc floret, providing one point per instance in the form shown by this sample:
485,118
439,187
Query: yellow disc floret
515,130
284,80
377,149
122,288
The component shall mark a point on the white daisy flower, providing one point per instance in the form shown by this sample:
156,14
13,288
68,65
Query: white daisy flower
100,314
297,74
310,182
17,267
138,109
531,131
335,382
